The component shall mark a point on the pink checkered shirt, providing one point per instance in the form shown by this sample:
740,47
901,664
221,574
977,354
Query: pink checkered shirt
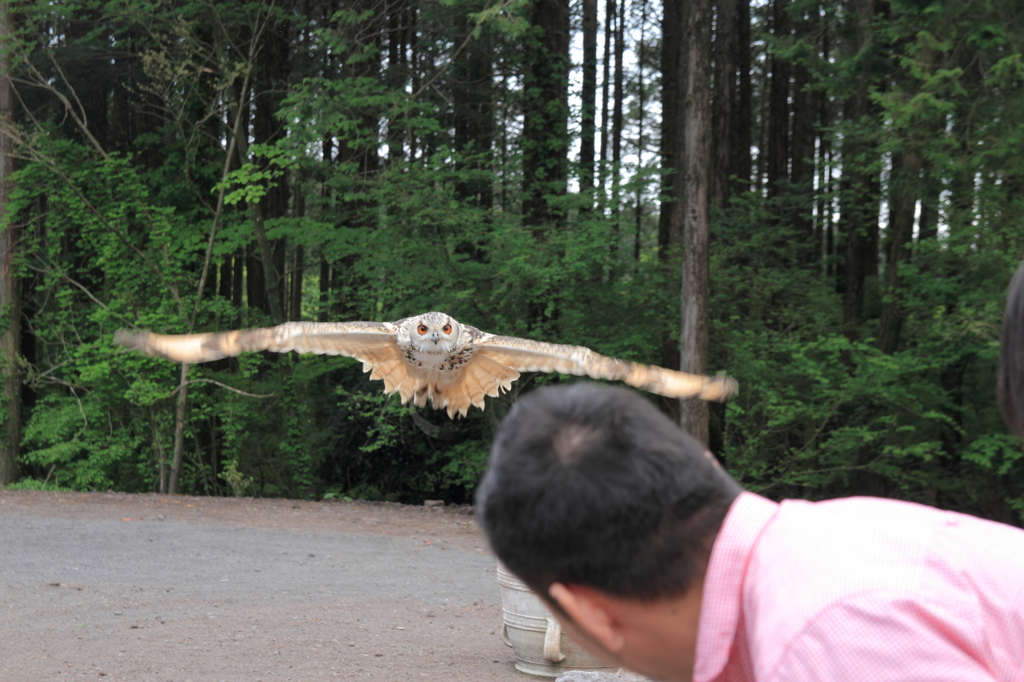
861,590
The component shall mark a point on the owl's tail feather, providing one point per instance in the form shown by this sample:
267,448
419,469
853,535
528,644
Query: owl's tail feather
482,377
473,389
386,364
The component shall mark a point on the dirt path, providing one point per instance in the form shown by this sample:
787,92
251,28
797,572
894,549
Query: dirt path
173,588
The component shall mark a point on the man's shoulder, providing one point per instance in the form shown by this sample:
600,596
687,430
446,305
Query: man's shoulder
822,550
831,536
817,562
854,540
888,635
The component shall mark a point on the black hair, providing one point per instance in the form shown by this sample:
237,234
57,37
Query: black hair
592,485
1010,382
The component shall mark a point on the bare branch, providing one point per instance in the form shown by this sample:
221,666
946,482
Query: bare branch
217,383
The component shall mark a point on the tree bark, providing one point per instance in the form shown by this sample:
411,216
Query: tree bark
299,259
801,177
269,86
159,451
696,114
602,168
778,105
742,161
588,111
928,222
724,102
295,304
859,193
179,430
906,174
10,304
823,234
670,218
545,110
473,110
620,20
640,142
397,74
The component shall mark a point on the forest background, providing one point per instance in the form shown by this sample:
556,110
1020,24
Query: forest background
822,198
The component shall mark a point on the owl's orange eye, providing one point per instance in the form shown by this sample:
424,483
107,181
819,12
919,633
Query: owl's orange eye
447,329
422,329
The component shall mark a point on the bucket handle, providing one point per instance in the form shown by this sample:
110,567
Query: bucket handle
553,641
504,635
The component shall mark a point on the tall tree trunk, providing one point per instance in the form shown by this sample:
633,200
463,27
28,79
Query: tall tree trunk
299,259
324,313
742,162
225,279
545,110
673,91
931,185
801,206
159,451
238,282
295,304
858,218
10,308
670,218
724,100
473,110
269,86
823,237
640,142
397,73
859,188
588,111
255,284
620,35
906,175
823,226
778,106
931,188
179,430
696,126
606,79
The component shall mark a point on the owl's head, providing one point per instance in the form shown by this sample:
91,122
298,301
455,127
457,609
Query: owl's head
435,333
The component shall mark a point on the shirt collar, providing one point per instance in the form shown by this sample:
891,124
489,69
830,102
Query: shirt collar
723,582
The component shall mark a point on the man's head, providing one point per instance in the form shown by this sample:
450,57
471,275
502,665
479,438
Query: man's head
1010,384
591,485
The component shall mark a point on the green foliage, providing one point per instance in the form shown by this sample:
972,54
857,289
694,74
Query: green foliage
376,207
820,415
36,484
251,182
63,438
238,482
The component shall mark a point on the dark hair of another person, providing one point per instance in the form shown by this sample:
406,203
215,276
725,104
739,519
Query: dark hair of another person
1010,383
592,485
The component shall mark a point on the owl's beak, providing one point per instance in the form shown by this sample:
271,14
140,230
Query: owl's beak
434,337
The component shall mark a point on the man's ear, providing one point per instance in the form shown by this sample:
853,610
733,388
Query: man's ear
591,612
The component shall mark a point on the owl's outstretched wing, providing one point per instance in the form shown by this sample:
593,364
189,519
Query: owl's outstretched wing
526,355
373,343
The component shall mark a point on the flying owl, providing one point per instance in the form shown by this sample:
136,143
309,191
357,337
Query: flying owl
430,356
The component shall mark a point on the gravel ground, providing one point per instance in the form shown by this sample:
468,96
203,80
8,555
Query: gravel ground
175,588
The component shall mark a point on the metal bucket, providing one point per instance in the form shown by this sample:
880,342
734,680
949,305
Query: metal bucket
534,634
